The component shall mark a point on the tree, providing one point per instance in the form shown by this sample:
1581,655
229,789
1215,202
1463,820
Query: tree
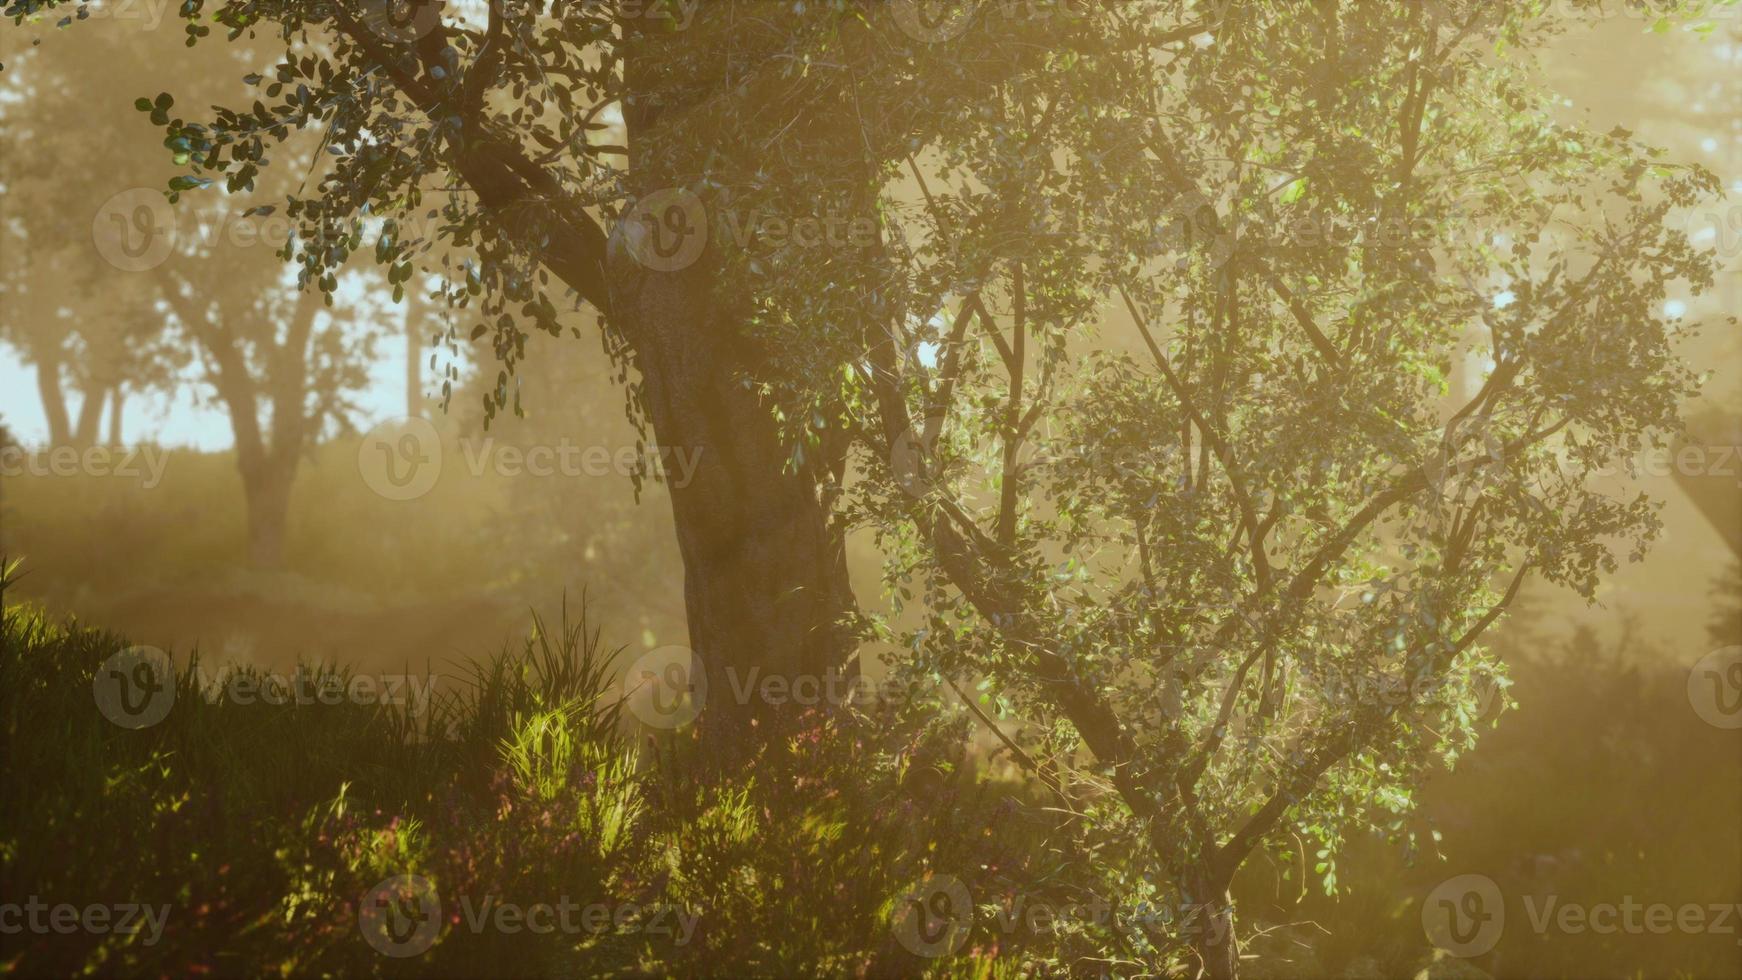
68,313
1184,555
283,368
136,270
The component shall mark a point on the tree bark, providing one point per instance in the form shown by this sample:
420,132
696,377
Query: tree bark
117,402
266,490
1210,923
765,575
54,400
90,415
416,310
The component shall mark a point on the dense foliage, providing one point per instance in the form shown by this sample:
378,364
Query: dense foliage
1211,365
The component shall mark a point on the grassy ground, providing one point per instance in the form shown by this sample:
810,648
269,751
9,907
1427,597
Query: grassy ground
314,838
265,833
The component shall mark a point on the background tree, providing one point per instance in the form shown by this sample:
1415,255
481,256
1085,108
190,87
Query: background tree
206,293
283,367
103,336
1177,564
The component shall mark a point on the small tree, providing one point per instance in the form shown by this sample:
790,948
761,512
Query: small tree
1140,375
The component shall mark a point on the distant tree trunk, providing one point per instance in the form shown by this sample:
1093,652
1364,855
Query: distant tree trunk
415,313
54,400
116,402
266,461
266,489
90,416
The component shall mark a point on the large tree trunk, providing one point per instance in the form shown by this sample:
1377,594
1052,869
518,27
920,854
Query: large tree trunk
765,572
765,576
1216,947
1210,924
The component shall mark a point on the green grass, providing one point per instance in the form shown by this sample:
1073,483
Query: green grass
260,827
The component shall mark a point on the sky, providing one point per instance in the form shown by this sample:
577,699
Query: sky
177,419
